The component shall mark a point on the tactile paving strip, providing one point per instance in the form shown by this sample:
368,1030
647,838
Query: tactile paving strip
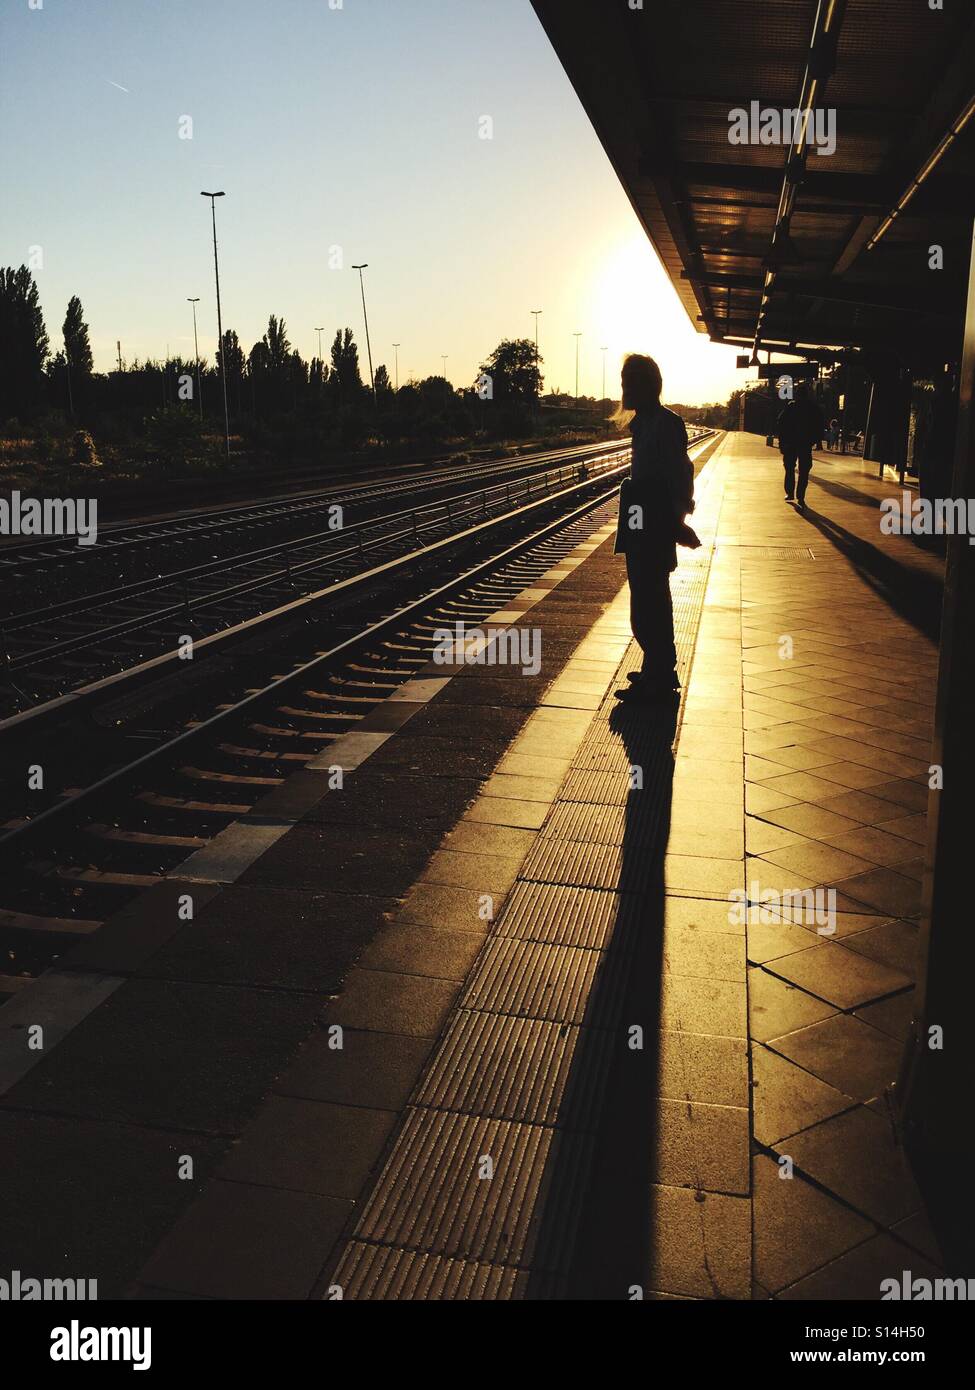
601,788
519,1074
463,1185
561,916
530,1071
382,1273
536,980
587,821
579,865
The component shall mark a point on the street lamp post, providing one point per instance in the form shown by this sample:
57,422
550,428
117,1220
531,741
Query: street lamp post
443,359
365,319
223,355
604,351
535,313
396,348
196,350
319,332
577,336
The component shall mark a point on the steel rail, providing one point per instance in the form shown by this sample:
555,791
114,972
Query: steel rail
68,810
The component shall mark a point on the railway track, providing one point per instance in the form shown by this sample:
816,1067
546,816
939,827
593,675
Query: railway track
110,787
56,647
122,546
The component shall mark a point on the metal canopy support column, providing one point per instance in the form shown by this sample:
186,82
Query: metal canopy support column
933,1093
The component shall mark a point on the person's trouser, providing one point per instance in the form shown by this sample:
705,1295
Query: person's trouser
652,613
803,457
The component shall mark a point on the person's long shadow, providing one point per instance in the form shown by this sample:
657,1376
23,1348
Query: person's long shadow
617,1050
912,593
843,490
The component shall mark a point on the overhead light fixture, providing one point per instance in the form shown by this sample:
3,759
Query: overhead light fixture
944,144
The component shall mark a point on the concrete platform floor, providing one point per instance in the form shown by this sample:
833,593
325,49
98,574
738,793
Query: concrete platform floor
495,1019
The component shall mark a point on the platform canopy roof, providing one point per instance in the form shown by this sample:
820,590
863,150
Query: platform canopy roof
777,244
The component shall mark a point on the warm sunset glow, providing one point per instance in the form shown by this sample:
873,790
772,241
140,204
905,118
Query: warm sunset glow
637,310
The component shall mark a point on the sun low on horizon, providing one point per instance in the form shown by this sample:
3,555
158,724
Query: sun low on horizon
637,310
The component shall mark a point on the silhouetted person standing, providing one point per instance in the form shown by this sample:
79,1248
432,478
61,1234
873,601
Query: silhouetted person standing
800,429
654,501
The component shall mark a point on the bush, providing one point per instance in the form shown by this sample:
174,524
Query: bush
83,451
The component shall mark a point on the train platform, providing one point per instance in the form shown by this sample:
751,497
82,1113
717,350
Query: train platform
515,992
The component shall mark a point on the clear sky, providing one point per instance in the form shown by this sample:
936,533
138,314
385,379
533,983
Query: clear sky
354,127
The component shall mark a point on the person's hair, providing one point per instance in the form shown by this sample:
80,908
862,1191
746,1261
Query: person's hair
644,384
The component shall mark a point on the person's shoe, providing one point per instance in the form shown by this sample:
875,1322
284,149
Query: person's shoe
789,497
649,689
801,503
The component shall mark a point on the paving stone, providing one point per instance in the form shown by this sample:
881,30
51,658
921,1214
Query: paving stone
342,859
310,1146
916,1231
702,1146
854,775
810,820
842,977
845,1052
885,890
374,1069
273,937
913,828
892,1016
389,1002
496,810
702,877
910,795
246,1242
787,1099
224,1044
370,798
707,914
456,909
895,944
85,1199
133,935
701,1249
797,1229
855,1156
696,1067
864,807
769,940
776,1007
802,786
475,837
761,836
815,860
484,873
872,843
704,1006
858,1276
703,954
411,949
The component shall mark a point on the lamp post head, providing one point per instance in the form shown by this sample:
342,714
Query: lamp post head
204,194
364,266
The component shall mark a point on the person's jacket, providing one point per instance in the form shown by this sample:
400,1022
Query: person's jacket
800,425
659,492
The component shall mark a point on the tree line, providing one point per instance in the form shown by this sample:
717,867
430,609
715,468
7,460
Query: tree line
276,399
